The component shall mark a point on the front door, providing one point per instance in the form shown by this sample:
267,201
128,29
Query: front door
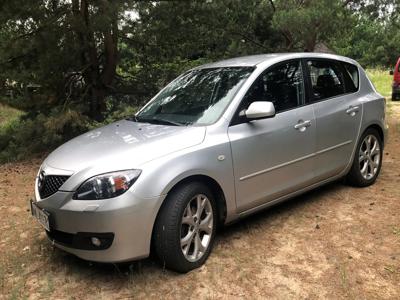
273,157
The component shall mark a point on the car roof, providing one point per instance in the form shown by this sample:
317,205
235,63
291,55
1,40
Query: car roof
254,60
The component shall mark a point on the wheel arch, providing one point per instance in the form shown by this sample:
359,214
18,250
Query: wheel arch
215,187
352,171
378,128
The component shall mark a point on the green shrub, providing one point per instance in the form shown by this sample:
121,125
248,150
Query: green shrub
24,136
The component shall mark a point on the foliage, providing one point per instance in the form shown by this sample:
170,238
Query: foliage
7,114
21,137
304,24
70,65
67,49
372,44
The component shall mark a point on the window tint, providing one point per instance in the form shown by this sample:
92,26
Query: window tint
326,79
351,77
282,85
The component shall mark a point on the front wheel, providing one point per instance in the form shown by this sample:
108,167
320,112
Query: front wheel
367,159
185,227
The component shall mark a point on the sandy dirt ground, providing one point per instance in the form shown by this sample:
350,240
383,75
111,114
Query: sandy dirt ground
336,242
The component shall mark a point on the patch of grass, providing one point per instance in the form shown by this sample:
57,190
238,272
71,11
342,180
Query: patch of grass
48,289
390,269
343,276
382,81
17,290
396,230
7,114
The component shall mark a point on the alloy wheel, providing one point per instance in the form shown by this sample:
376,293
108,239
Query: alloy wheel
369,157
196,227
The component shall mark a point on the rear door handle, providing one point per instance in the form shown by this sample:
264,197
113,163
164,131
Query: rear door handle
352,110
302,125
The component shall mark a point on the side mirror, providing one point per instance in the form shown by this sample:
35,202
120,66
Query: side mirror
260,110
391,72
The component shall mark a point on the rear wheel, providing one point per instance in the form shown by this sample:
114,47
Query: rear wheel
367,159
185,228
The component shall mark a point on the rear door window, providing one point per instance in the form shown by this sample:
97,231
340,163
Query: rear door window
327,79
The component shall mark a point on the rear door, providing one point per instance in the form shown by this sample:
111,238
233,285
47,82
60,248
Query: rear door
338,112
274,157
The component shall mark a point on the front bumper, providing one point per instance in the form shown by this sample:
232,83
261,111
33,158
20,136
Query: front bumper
127,218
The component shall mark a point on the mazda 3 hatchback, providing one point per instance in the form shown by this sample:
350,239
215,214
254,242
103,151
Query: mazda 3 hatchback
218,143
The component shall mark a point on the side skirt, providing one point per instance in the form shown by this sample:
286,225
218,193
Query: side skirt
291,195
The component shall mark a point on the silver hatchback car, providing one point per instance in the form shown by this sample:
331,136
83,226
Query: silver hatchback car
220,142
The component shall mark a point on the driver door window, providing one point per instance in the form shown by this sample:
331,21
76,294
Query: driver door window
282,85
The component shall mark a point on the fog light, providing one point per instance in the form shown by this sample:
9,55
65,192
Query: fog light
96,241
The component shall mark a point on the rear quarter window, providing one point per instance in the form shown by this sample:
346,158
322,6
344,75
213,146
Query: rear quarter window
352,77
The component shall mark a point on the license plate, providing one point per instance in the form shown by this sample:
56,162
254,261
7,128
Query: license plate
41,215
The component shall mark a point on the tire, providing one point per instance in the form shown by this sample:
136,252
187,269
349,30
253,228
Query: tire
367,160
180,222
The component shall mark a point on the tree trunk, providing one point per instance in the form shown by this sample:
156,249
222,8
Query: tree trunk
310,43
98,75
288,40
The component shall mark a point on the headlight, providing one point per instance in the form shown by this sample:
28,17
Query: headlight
107,185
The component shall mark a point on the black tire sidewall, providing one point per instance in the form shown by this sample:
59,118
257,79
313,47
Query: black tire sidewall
167,242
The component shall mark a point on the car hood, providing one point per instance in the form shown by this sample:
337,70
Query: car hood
122,145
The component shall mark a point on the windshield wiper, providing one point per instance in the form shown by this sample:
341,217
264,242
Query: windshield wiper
156,121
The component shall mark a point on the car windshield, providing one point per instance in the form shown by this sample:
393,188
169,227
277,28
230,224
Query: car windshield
198,97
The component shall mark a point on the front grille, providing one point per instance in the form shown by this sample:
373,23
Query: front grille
49,184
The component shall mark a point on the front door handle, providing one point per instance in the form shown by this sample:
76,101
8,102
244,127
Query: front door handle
302,125
352,110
